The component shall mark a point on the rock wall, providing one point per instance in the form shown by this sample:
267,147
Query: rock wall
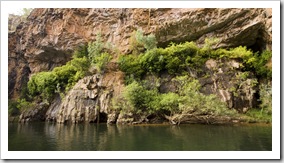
49,36
225,79
89,100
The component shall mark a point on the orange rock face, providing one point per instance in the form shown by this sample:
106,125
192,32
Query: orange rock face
49,36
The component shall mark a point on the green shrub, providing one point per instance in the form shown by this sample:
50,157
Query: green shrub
81,51
95,48
265,93
135,46
23,105
46,84
101,61
43,83
198,103
260,65
13,110
170,102
209,43
131,66
139,98
251,61
186,85
175,59
188,100
152,61
258,115
149,41
97,55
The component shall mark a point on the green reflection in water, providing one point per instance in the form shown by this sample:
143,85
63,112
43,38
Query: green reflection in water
102,137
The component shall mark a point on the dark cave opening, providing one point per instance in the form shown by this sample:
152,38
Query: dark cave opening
258,46
102,117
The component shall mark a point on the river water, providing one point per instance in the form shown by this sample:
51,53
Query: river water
103,137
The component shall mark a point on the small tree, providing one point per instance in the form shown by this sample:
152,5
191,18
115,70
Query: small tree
139,42
95,48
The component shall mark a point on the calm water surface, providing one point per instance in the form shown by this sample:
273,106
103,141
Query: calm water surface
102,137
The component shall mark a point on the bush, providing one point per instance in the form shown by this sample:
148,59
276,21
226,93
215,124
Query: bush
149,42
139,98
188,100
179,59
209,43
96,54
251,61
265,93
261,64
101,61
192,101
152,61
176,59
170,102
45,84
12,108
256,115
139,42
23,105
186,85
131,66
81,51
95,48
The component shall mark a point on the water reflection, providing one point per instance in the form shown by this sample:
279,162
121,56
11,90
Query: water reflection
102,137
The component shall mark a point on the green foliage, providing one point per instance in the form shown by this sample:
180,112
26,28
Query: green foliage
139,42
15,107
138,98
81,51
193,101
101,61
70,73
96,54
251,61
187,85
135,46
261,64
170,102
176,59
208,46
152,61
95,48
149,41
242,75
63,78
23,105
131,66
45,84
13,110
265,93
256,115
243,53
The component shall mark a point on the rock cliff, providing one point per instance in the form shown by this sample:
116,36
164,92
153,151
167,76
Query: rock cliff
49,37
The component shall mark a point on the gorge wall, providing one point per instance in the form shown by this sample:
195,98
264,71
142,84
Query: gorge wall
49,36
